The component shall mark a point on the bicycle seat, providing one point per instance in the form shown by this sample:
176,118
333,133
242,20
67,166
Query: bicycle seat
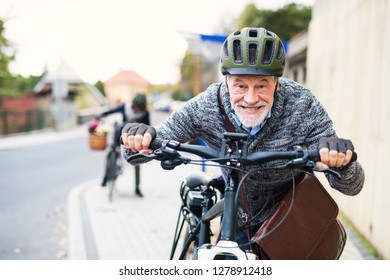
195,180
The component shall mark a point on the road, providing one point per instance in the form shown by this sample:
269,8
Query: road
34,185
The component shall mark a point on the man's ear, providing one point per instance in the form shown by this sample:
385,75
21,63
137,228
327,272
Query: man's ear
226,83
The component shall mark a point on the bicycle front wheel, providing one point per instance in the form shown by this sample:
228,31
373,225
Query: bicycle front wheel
190,245
112,173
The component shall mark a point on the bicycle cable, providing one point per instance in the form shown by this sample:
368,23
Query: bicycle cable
269,196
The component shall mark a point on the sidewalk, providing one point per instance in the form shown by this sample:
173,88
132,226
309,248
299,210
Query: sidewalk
129,227
132,228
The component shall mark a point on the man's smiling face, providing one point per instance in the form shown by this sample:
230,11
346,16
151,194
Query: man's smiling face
251,97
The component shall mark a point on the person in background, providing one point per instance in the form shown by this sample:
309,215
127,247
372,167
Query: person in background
136,112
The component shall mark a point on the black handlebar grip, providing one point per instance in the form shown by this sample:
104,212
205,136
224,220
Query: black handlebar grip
156,143
314,155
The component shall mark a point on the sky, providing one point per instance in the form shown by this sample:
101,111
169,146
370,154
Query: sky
98,38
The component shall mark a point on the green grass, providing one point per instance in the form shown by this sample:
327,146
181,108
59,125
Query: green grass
364,241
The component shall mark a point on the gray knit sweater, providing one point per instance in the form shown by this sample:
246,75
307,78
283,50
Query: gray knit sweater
297,118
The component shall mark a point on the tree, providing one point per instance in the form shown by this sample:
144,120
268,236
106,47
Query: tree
99,85
286,22
188,70
13,85
23,84
6,56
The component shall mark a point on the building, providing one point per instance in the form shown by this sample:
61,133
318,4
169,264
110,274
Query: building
60,100
123,86
67,96
296,58
348,62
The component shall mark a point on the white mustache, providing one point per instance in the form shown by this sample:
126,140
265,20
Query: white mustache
256,105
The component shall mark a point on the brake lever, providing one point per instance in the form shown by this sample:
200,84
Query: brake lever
311,166
327,170
138,155
302,162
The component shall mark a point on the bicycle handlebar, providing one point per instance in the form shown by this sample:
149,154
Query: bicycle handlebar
202,151
300,155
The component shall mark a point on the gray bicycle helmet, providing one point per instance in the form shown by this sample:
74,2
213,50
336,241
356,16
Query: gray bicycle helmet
253,51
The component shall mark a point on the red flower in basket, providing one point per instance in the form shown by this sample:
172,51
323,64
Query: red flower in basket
93,126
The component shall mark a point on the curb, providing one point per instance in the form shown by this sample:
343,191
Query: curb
77,219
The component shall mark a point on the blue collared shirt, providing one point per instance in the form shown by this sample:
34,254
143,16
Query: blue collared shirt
252,130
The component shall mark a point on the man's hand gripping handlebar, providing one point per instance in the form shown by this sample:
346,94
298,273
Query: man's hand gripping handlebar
138,137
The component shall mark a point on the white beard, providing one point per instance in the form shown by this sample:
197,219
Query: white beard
251,121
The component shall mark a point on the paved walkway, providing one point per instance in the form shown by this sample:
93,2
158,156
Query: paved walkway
129,227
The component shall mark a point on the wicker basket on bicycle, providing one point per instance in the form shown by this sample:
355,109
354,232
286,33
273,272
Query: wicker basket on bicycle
98,141
97,136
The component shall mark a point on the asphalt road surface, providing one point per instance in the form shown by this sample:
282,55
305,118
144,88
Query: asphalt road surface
34,185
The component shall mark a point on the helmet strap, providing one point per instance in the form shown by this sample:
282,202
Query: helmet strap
276,86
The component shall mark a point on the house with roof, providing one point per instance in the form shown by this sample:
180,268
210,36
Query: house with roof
123,86
60,100
67,96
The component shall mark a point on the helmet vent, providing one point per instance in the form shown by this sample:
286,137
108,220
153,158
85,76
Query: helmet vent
268,52
280,51
253,33
237,51
253,53
225,49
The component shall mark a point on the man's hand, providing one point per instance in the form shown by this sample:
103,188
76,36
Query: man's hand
138,136
335,152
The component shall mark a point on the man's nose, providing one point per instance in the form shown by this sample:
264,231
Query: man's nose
251,96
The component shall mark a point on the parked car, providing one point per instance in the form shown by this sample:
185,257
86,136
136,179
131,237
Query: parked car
162,105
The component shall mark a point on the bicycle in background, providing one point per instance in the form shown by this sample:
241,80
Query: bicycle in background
113,166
